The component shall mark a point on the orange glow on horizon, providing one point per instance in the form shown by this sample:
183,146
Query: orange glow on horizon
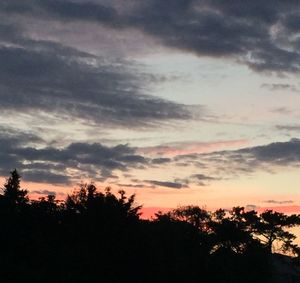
162,199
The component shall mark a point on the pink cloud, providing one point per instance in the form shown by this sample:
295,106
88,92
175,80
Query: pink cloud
181,148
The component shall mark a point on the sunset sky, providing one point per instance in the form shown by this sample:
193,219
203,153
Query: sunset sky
179,101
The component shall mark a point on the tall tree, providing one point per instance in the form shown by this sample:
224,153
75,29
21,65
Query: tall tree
12,191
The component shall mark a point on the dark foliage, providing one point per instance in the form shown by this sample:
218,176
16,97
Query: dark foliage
99,237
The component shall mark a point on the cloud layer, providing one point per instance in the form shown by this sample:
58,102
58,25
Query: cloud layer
260,35
70,163
230,163
67,164
38,75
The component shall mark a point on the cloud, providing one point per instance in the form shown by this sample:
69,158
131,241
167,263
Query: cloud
67,164
201,179
131,185
11,136
280,87
196,179
42,176
173,185
257,157
177,183
45,192
189,147
260,35
278,201
281,110
161,160
64,165
219,29
288,128
281,153
81,11
204,27
245,161
46,76
251,207
140,185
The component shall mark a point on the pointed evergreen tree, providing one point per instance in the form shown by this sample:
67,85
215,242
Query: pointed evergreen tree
12,191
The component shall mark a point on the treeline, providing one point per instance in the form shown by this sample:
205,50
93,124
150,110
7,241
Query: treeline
97,236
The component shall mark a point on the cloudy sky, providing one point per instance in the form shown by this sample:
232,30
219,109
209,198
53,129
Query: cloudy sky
179,101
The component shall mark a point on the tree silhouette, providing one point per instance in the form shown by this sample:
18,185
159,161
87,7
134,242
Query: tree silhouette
272,226
98,236
230,234
198,217
267,227
87,199
12,191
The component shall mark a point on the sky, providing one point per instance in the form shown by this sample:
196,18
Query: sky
178,101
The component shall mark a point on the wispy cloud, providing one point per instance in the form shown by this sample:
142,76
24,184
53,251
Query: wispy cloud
46,192
190,147
278,201
281,110
168,184
280,87
245,161
288,128
68,163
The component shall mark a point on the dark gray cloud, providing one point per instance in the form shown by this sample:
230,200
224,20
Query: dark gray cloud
267,158
280,153
11,139
201,179
42,176
245,161
196,179
84,10
254,33
161,160
10,136
259,34
277,153
139,185
40,75
173,185
65,164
